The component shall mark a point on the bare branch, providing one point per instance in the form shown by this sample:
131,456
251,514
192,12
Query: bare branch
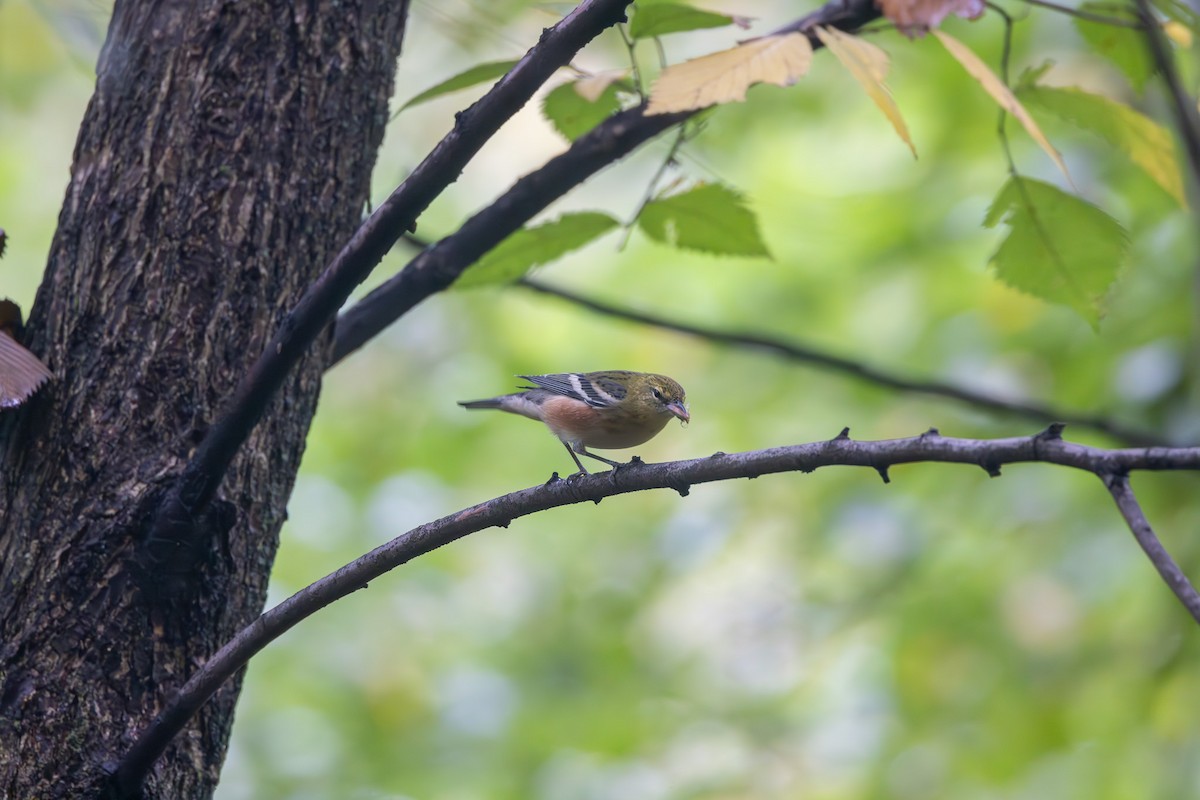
1172,575
1038,413
473,127
988,454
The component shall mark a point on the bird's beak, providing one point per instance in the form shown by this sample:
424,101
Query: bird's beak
678,410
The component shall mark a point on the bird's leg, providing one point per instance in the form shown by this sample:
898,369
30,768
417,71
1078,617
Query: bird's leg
583,451
578,463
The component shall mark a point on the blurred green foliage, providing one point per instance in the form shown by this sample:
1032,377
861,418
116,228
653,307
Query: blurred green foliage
819,636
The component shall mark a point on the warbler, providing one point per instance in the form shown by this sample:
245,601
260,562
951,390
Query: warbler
610,410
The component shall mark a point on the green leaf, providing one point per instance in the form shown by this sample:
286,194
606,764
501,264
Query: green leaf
1124,47
531,247
1058,248
1146,143
709,218
1030,76
480,73
660,19
573,115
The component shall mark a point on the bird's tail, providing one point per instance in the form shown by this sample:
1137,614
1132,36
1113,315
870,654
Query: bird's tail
491,402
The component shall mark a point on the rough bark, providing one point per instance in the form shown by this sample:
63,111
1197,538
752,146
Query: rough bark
224,157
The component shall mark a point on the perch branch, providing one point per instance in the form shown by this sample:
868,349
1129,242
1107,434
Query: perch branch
809,355
989,454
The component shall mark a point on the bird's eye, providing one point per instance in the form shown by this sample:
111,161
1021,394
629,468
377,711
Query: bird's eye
657,394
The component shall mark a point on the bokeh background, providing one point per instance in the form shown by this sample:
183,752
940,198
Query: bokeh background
820,636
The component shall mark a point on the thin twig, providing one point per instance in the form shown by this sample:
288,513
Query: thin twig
1172,575
1116,22
662,53
989,454
197,485
639,84
1006,52
669,160
1005,56
794,351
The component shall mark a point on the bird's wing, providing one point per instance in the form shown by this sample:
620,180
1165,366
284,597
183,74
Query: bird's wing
593,389
21,373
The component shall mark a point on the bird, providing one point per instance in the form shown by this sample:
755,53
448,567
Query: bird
610,409
21,372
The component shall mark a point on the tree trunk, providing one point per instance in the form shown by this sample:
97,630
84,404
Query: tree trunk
224,157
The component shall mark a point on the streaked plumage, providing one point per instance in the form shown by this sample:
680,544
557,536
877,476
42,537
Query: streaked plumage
609,410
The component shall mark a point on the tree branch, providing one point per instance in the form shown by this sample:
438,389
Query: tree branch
1131,510
613,139
990,455
196,486
1035,412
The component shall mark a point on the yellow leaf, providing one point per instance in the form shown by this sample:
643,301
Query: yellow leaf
978,70
592,86
725,77
1178,33
869,66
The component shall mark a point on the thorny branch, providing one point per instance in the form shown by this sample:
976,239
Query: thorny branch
1112,466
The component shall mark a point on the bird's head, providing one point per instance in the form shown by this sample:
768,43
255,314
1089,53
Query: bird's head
665,396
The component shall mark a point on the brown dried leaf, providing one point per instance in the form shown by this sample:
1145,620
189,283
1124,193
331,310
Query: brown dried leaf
725,77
